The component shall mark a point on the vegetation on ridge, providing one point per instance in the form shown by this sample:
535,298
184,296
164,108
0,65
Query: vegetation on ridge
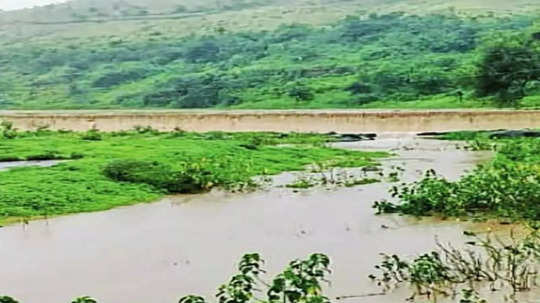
392,60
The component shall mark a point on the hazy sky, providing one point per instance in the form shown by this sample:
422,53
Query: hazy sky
16,4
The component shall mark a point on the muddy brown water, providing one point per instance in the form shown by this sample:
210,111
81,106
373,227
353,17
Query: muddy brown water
190,244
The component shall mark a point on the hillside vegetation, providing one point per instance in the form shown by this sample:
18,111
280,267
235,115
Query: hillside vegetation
270,54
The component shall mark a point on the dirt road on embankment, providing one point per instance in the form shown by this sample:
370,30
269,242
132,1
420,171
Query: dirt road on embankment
277,120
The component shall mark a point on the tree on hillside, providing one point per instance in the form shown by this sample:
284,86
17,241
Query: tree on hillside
505,71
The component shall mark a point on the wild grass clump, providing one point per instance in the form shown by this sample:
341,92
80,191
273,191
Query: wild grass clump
507,188
510,266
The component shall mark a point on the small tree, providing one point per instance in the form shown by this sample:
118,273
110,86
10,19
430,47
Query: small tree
505,72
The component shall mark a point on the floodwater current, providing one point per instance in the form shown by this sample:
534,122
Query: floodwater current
183,245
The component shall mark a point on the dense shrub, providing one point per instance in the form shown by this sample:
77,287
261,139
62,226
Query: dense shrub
206,51
161,176
508,188
120,77
301,93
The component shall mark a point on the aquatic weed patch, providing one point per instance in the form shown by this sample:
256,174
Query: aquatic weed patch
122,168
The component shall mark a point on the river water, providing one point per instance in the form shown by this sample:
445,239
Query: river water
190,244
40,163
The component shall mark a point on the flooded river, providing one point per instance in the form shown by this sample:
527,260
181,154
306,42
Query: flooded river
190,244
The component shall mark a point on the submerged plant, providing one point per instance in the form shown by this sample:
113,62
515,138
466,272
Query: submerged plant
487,261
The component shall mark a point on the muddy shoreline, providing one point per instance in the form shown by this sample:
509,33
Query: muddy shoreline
321,121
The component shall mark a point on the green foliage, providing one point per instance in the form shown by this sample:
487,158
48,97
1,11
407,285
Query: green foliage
510,266
84,300
142,165
91,135
506,71
509,187
300,282
242,286
7,131
301,93
192,176
5,299
391,60
192,299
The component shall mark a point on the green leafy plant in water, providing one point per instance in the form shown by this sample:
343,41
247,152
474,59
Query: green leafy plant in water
192,299
506,265
85,299
241,287
6,299
300,282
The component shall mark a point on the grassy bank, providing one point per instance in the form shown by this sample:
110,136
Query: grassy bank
508,188
113,169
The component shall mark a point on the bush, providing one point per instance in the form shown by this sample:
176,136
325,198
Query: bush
120,77
158,175
301,93
507,188
92,135
206,51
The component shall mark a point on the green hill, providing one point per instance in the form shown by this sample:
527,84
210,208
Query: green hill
256,54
